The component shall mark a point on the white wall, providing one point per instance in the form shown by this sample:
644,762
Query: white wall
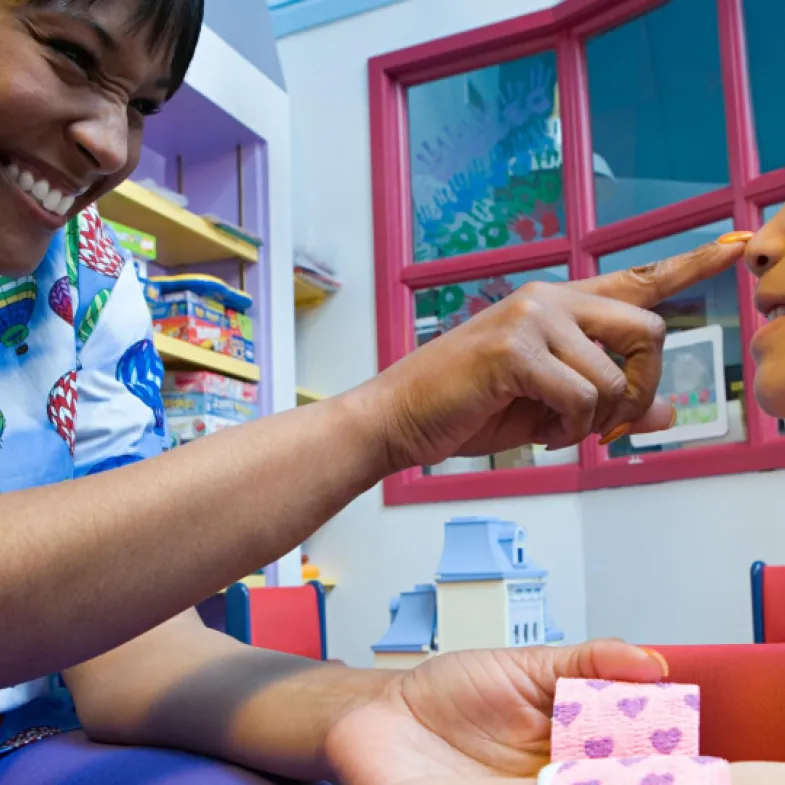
670,563
376,552
642,565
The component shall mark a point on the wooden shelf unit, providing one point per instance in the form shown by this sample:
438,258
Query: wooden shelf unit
183,237
179,355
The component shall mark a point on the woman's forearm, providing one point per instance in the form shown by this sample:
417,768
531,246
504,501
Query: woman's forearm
91,563
187,687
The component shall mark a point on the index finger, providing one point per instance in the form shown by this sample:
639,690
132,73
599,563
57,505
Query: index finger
649,285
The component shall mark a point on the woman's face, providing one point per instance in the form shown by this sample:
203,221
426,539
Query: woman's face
75,88
765,257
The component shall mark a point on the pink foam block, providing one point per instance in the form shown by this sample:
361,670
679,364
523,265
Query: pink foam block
595,719
652,770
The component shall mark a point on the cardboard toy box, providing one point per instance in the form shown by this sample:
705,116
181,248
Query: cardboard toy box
194,331
187,428
180,404
186,304
241,345
212,384
140,244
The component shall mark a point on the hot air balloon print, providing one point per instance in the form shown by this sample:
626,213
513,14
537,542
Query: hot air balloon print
17,301
115,462
72,232
96,250
140,369
90,318
61,408
60,300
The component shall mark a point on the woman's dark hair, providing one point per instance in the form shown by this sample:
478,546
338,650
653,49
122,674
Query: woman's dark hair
171,24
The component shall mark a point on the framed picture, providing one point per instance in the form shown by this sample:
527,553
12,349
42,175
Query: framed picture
693,380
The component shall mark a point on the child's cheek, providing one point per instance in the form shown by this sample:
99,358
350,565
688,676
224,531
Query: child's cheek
770,382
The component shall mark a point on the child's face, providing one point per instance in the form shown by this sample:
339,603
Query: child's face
765,257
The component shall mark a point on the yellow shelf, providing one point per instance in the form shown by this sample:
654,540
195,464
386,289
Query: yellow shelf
257,582
306,396
306,295
178,354
182,236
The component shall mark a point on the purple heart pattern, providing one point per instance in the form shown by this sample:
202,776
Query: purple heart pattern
596,719
651,770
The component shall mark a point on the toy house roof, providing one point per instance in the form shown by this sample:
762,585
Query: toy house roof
413,621
483,549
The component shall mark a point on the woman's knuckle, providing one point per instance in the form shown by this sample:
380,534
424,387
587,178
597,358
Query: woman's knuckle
536,289
585,397
656,327
615,383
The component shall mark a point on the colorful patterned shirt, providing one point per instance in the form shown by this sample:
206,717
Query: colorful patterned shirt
80,384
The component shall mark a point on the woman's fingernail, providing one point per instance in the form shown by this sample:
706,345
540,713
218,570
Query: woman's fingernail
735,237
659,659
674,417
616,433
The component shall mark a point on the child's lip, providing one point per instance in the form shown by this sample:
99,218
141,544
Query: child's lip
768,303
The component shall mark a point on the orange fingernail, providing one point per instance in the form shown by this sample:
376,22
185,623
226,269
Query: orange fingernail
674,417
616,433
735,237
663,663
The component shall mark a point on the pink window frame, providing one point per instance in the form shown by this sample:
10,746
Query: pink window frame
562,28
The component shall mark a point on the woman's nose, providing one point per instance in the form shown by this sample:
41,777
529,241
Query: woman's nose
766,248
103,140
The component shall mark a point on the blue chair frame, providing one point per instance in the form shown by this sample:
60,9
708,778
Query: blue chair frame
756,580
230,613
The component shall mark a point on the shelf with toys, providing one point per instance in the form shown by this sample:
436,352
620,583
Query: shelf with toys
182,236
213,181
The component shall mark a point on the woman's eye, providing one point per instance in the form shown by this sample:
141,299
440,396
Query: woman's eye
79,56
145,107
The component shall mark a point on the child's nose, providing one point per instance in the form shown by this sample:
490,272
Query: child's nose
766,248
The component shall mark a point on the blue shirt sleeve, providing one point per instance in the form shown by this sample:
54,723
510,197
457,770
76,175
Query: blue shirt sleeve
120,414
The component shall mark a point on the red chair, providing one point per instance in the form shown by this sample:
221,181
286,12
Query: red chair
768,602
290,619
742,697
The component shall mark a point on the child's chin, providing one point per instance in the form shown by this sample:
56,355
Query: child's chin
770,390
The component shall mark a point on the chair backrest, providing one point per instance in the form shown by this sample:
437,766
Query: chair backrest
227,612
768,602
289,619
742,697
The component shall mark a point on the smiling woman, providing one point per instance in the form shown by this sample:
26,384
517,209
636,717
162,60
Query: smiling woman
79,78
107,543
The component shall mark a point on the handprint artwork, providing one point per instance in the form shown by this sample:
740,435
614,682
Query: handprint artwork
486,159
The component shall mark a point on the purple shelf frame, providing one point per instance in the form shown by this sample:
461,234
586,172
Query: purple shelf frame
206,139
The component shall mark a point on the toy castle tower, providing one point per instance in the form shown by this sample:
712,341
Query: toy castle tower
487,595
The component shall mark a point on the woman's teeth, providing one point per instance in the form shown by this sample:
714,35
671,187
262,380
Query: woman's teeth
775,313
50,199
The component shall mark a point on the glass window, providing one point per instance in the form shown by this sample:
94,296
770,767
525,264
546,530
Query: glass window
657,109
764,22
707,368
441,308
485,158
770,211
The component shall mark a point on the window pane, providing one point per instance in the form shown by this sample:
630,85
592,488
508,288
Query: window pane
770,211
441,308
695,375
764,22
657,110
485,157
